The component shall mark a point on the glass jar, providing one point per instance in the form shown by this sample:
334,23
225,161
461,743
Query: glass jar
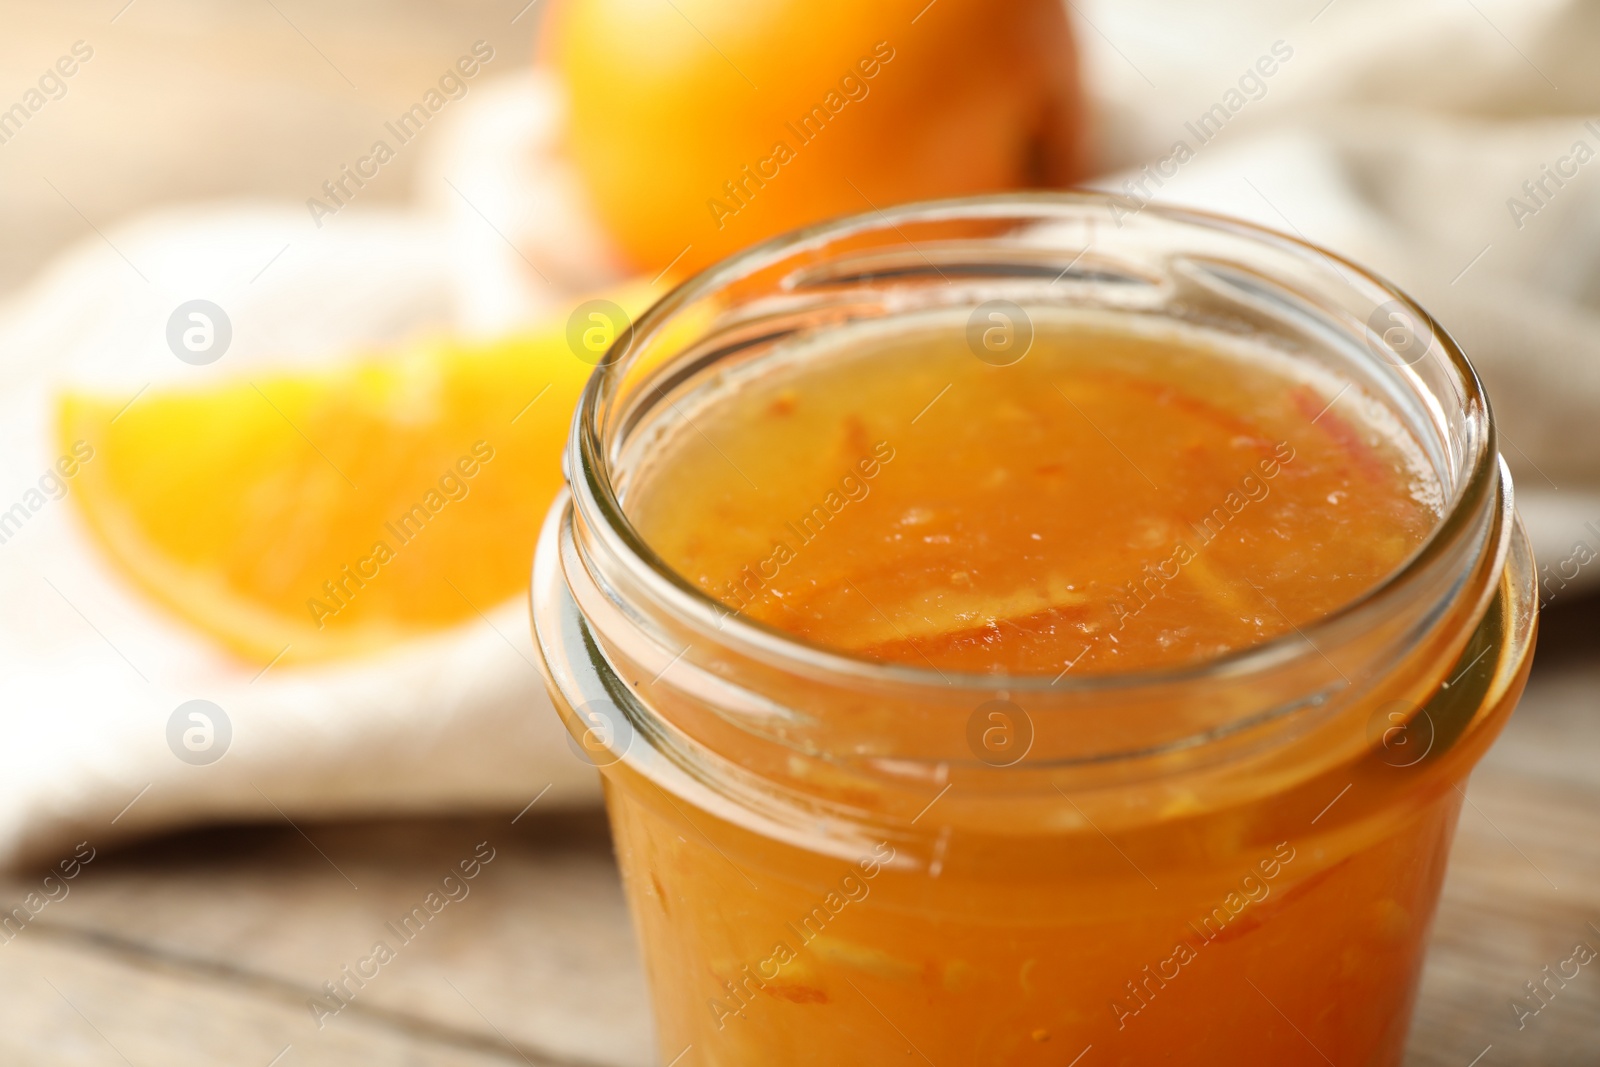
832,860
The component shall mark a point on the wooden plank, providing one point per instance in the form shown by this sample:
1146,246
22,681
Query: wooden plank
79,1004
536,953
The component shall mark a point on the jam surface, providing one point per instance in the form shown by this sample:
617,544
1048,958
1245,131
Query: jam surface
1111,501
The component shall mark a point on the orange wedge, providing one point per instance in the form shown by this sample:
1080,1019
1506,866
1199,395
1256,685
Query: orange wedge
315,515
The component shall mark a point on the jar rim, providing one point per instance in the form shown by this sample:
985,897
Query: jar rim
1478,482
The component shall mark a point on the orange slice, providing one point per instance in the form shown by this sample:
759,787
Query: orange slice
333,513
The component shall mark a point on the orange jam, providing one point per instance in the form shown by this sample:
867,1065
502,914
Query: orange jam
1110,502
1101,699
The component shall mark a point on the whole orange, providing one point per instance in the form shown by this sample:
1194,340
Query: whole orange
702,126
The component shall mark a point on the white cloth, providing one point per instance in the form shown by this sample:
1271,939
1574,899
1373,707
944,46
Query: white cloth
91,672
1395,133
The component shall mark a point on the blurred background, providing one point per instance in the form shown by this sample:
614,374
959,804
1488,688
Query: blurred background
1447,144
192,101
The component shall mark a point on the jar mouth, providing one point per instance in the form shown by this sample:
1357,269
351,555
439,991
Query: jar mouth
1465,452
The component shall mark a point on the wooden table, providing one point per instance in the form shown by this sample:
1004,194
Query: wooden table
204,948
